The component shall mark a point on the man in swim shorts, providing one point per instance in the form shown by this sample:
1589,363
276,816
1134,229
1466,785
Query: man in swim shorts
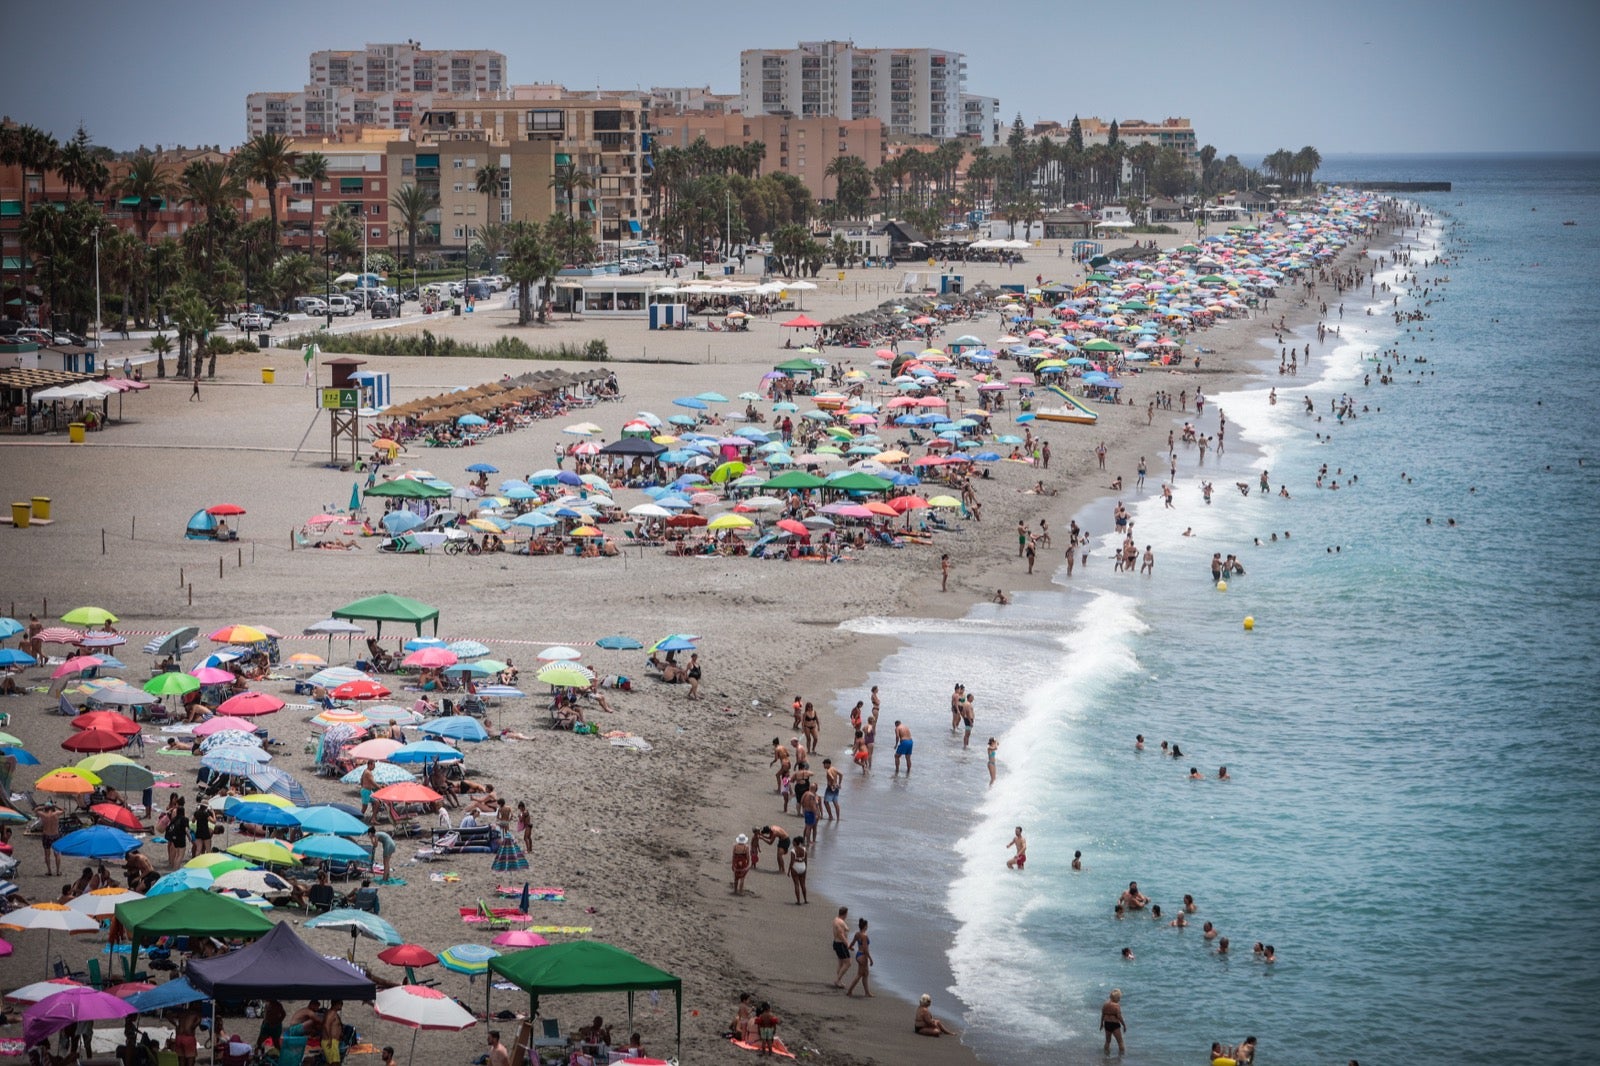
830,789
902,746
1020,859
841,945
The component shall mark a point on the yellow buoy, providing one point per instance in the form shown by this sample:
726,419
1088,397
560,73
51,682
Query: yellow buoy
1222,586
1249,622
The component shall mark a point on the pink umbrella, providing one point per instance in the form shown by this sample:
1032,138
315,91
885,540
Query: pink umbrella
77,665
520,938
222,723
5,948
54,1013
420,1007
60,635
430,657
210,675
250,704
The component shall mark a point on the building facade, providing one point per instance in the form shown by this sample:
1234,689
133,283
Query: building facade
384,86
800,146
913,91
1175,133
446,165
980,119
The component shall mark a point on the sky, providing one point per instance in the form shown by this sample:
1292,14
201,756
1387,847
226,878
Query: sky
1352,76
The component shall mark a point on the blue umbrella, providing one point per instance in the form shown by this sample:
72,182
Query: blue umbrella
987,457
675,642
328,846
229,767
504,692
23,756
692,403
472,420
520,491
181,880
418,643
10,627
96,842
358,922
534,520
383,773
401,521
475,669
244,753
423,750
330,820
482,468
682,420
567,477
261,814
469,649
171,994
279,784
618,643
458,727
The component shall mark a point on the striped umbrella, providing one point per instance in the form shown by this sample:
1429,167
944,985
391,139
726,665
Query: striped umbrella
384,773
509,856
470,959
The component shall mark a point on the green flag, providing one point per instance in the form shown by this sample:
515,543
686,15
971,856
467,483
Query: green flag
310,353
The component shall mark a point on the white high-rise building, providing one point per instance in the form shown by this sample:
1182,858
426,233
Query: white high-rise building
913,91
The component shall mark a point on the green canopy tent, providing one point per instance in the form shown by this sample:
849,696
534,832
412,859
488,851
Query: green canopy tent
794,479
859,482
800,366
585,966
406,489
192,912
390,608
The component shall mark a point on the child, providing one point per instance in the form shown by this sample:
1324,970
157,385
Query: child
766,1027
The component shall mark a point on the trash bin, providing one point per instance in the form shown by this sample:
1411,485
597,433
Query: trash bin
455,309
268,375
75,432
19,515
263,340
41,507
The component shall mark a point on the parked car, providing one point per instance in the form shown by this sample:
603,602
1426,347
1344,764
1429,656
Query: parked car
384,307
675,260
249,321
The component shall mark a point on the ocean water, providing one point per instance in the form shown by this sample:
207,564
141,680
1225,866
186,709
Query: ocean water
1414,820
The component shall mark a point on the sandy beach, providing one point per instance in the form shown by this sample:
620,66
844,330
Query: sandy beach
640,841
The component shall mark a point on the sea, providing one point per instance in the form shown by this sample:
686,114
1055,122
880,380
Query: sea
1412,726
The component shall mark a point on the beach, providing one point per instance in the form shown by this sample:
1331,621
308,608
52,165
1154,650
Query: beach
639,841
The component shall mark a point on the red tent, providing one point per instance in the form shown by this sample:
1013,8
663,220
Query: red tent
801,322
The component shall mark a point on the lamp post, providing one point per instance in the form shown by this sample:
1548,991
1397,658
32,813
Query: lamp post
97,318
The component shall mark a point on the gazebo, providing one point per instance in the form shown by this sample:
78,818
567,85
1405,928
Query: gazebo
585,966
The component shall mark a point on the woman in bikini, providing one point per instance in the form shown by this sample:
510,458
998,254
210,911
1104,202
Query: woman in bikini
863,947
797,871
811,726
1111,1020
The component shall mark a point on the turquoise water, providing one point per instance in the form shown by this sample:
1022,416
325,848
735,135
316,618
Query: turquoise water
1414,820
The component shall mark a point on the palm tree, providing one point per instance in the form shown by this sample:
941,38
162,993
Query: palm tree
487,181
411,206
569,181
493,239
532,259
193,318
161,345
1306,162
35,151
149,186
211,187
342,234
312,167
77,162
269,159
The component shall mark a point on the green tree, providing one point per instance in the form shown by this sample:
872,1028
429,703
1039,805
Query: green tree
149,185
312,167
853,184
269,159
531,259
193,318
80,166
411,204
570,182
493,239
161,345
487,181
212,188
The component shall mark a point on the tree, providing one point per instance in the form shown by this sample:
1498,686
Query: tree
150,187
790,247
487,181
36,152
193,319
1114,135
1306,162
80,166
161,345
840,251
212,188
569,181
1075,135
493,239
853,184
411,205
269,159
343,235
572,239
312,167
531,259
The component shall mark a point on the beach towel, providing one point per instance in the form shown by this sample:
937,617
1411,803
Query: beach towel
509,856
777,1047
473,916
11,1047
561,930
547,895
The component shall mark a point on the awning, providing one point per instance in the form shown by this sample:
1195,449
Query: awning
633,225
156,202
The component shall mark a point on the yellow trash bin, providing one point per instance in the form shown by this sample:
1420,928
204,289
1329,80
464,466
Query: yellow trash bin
268,375
41,507
19,515
75,432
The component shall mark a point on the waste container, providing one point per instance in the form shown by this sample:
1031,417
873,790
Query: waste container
41,507
75,432
19,515
263,340
268,375
455,309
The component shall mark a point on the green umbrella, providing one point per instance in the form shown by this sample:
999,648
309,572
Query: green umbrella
565,675
192,912
171,684
405,488
88,616
794,479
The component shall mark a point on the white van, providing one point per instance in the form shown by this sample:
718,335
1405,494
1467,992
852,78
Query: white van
341,305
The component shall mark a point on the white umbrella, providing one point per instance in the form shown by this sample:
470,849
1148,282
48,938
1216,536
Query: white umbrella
649,510
761,503
421,1008
258,881
559,653
50,917
102,902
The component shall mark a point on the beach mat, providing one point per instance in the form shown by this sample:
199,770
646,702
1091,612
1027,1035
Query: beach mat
777,1047
546,895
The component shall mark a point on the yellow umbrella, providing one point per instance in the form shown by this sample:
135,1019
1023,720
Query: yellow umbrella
266,852
893,455
730,521
665,438
208,860
266,797
587,531
68,782
305,658
943,501
483,526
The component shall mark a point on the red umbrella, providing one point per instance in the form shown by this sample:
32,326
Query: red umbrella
680,521
406,792
95,740
408,955
902,504
60,635
130,988
118,815
250,704
225,509
355,690
789,525
110,721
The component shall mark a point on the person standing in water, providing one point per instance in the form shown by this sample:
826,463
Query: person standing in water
1020,859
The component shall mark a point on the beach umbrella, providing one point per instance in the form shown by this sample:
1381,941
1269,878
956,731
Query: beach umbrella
263,814
76,665
96,842
408,955
384,774
41,989
60,635
109,721
469,649
342,716
420,1007
67,782
564,675
95,740
235,762
88,616
406,793
397,522
13,657
470,959
67,1008
229,738
265,852
237,634
360,690
52,918
618,643
10,627
171,684
211,675
389,712
358,923
425,658
246,880
102,902
171,994
377,748
23,756
250,705
675,642
329,846
221,723
120,816
457,727
326,819
519,938
424,750
280,784
181,880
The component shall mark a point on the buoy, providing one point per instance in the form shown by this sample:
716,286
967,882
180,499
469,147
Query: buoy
1249,622
1222,586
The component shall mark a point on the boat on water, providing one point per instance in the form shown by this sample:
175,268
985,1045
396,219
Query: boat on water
1071,409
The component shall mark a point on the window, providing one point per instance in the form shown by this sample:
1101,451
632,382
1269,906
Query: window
377,234
547,120
456,162
460,186
456,210
458,233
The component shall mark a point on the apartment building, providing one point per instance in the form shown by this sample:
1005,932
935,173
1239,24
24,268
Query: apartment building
1168,133
446,164
980,119
357,183
384,86
606,139
913,91
800,146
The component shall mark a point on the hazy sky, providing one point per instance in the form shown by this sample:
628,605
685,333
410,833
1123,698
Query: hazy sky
1348,76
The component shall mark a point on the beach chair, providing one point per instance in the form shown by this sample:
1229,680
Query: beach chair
59,970
96,981
550,1034
321,897
489,918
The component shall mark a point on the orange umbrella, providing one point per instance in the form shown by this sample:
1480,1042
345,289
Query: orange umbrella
879,508
68,782
406,792
238,635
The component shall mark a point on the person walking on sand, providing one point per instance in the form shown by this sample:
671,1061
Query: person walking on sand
863,946
944,572
902,746
741,863
841,945
1020,859
194,393
1112,1022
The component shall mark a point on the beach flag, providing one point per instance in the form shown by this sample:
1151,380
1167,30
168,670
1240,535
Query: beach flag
309,354
355,497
